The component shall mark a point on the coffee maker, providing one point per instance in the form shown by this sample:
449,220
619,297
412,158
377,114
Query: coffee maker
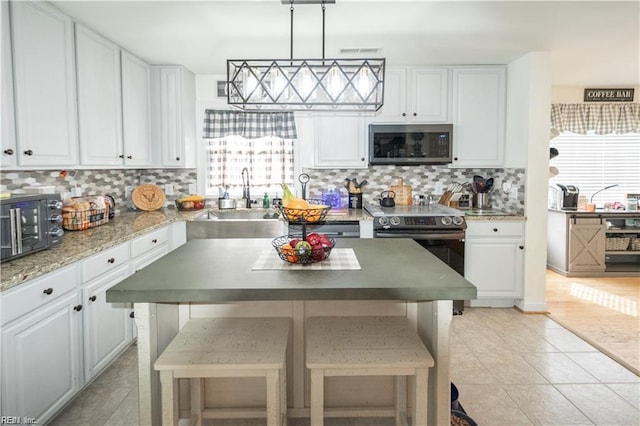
563,197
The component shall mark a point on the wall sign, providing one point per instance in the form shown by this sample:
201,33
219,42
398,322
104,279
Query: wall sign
608,95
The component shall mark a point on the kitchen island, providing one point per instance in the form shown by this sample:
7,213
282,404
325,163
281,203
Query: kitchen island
220,278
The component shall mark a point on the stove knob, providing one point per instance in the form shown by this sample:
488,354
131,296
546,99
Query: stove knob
458,220
384,221
445,220
395,220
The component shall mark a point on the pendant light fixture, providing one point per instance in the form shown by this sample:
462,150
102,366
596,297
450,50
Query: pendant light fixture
306,84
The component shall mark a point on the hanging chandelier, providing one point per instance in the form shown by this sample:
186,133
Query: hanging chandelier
306,84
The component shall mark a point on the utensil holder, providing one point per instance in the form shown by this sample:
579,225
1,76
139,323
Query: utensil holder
355,201
481,200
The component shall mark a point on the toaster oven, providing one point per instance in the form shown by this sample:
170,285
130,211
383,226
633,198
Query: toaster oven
29,223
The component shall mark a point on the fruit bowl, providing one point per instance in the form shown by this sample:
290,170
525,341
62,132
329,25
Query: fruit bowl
315,212
293,249
189,205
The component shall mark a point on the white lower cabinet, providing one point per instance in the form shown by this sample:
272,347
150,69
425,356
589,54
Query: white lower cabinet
42,346
59,332
494,262
107,328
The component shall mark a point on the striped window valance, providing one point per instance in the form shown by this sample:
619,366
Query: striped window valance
602,119
222,123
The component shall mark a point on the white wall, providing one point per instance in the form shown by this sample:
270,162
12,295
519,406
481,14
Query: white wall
575,94
530,84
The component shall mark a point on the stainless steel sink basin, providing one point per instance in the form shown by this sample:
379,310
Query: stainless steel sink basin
238,215
236,224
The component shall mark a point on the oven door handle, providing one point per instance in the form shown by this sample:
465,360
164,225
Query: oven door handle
420,236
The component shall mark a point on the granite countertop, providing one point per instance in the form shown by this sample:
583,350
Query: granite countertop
127,225
130,224
220,270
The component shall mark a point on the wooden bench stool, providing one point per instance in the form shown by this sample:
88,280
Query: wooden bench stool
226,347
368,346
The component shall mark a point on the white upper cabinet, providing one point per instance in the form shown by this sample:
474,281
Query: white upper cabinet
415,94
173,100
340,141
136,114
479,105
99,99
7,124
44,78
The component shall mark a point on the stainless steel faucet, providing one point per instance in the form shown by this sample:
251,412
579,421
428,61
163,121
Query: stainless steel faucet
245,187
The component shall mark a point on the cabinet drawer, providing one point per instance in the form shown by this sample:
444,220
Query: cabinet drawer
148,242
494,229
38,292
104,262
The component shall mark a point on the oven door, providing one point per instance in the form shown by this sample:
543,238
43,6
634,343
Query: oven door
447,246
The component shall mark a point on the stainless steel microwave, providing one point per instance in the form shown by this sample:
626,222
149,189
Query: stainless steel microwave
29,223
410,143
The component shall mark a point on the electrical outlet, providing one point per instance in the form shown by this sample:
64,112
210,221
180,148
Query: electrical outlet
439,188
514,193
193,188
168,189
127,191
506,187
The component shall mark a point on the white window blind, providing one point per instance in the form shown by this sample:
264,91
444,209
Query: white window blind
592,162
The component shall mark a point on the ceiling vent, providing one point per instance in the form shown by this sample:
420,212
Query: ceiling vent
360,50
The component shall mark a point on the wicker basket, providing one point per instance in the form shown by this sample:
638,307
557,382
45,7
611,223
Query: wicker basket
635,244
617,244
79,214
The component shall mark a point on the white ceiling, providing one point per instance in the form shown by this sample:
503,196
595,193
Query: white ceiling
592,43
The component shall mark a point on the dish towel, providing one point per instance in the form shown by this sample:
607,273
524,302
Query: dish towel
340,258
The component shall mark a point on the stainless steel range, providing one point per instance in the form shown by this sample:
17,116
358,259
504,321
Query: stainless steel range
435,227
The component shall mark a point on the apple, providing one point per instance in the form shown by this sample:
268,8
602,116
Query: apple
317,253
294,242
325,241
313,238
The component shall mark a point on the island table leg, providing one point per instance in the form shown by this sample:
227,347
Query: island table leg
148,379
434,322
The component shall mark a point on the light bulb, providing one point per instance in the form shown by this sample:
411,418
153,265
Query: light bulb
335,83
306,84
364,82
251,82
279,82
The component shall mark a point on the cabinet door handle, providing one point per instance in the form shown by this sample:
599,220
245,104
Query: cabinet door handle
132,315
155,240
8,151
48,290
177,158
495,229
28,152
521,247
92,299
129,157
415,114
404,114
121,156
111,260
77,308
455,158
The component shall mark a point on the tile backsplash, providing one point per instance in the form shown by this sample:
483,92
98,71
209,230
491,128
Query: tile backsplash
423,180
99,182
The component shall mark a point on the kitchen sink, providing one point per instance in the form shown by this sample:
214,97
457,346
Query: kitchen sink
236,224
238,215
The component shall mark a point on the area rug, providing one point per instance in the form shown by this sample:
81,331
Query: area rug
602,311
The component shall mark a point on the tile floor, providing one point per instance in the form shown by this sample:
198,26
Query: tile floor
510,369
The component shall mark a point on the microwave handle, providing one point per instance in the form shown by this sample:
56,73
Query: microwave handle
16,231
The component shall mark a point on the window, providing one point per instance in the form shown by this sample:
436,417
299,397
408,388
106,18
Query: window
592,162
268,159
260,141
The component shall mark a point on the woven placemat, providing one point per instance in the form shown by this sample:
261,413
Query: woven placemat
340,258
148,197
